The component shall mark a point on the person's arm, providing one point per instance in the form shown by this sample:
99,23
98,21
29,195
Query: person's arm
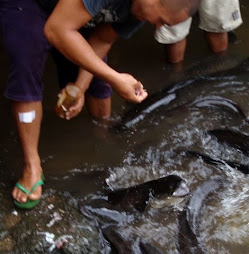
100,41
61,30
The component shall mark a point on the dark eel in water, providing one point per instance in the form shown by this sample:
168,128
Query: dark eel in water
166,97
140,195
121,243
232,138
240,167
189,239
217,101
118,206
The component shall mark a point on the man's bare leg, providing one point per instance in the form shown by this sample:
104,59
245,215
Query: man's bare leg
29,137
175,52
218,42
98,108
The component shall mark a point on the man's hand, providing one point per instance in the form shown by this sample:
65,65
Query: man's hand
129,88
76,108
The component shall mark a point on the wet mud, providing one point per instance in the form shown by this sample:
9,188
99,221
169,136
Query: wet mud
56,226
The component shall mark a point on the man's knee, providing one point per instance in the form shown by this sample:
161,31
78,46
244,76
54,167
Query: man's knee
217,42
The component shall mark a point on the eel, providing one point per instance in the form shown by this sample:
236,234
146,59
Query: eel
140,195
216,67
240,167
189,236
232,138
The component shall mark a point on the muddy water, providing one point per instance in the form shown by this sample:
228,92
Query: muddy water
85,158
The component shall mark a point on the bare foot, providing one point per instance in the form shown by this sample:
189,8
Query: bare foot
31,175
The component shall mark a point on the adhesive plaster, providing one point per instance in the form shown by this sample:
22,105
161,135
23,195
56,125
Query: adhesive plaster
27,117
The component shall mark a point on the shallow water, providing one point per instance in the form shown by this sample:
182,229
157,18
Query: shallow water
85,159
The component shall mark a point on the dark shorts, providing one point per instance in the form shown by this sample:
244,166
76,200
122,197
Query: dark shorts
27,49
67,72
22,23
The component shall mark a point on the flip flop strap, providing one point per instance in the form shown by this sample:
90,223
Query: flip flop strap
36,185
19,186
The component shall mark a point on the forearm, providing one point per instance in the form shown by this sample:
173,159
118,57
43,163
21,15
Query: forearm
101,42
61,30
76,48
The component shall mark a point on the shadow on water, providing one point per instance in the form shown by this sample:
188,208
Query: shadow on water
196,128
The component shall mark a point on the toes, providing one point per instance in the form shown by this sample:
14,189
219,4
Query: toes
35,195
14,193
30,180
23,199
19,196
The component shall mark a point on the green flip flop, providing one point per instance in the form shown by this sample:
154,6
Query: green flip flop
29,204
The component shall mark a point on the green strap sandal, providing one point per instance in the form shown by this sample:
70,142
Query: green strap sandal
30,203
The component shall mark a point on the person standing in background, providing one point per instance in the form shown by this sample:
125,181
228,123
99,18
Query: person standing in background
216,18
